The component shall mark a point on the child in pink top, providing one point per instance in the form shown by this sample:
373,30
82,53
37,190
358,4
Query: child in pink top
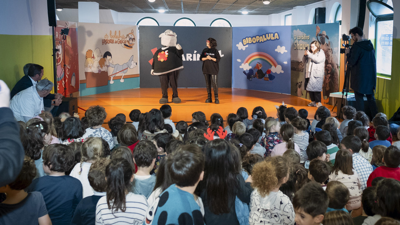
286,132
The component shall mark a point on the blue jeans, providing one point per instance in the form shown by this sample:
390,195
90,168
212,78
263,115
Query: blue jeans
371,103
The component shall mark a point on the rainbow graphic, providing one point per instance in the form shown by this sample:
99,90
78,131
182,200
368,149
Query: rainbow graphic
260,56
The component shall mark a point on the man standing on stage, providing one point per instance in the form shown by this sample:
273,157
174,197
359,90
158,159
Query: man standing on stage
361,58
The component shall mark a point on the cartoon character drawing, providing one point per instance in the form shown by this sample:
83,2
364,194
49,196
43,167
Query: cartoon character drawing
89,61
259,73
59,58
121,69
249,74
97,56
130,40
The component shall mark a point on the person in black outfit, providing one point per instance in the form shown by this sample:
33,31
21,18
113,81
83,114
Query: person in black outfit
210,58
361,58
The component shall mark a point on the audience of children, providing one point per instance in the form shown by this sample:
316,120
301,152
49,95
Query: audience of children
271,138
96,116
319,172
338,195
335,128
134,116
286,133
382,133
348,112
363,118
365,151
377,156
301,136
316,150
326,138
390,169
127,136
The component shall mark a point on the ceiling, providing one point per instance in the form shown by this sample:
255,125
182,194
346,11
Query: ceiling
254,7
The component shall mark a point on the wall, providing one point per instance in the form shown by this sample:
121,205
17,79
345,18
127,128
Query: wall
25,37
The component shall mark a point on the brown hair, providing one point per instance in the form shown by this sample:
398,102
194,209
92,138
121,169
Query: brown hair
377,155
387,221
299,123
96,115
317,44
48,118
269,123
337,217
343,162
362,133
292,156
25,177
58,157
97,175
338,194
127,135
392,157
332,120
249,161
320,170
123,152
362,117
92,149
239,128
269,173
287,133
349,112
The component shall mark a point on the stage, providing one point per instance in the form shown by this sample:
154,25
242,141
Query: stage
193,99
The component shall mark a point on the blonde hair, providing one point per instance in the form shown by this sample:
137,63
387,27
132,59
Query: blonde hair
92,149
238,128
48,118
333,120
269,123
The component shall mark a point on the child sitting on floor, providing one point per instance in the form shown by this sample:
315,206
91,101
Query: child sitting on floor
319,172
349,112
316,150
366,151
338,195
301,136
391,168
134,116
325,137
382,133
377,156
166,111
286,132
96,116
160,141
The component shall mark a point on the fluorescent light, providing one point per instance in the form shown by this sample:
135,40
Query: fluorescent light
151,0
59,10
266,2
161,11
245,12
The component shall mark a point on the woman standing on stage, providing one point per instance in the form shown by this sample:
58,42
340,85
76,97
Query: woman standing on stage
210,58
314,71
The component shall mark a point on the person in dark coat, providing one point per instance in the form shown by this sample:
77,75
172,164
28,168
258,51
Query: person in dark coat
361,59
210,57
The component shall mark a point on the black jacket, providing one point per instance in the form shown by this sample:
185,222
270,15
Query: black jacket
24,83
363,71
209,66
166,61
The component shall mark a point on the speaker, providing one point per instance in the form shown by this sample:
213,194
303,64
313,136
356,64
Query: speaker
51,12
69,105
319,15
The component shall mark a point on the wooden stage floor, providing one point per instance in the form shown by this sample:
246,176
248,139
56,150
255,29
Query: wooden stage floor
193,99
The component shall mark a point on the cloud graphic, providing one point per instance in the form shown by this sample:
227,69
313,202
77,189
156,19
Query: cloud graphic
241,47
245,66
298,32
239,60
280,49
285,62
277,69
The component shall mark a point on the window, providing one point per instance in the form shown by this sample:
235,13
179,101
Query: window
184,22
311,16
147,21
220,22
288,19
338,15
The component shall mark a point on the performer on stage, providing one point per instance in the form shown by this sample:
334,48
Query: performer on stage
210,58
167,61
314,71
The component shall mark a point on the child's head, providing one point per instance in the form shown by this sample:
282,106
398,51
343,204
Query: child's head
92,149
281,113
270,174
249,161
287,132
106,148
368,200
351,143
382,132
123,153
352,125
84,122
388,198
310,204
319,171
187,166
174,144
376,180
290,114
259,125
292,156
127,135
166,111
242,113
332,131
48,118
259,112
338,194
145,154
272,125
96,115
35,134
297,178
97,175
324,136
256,134
377,155
119,174
199,116
72,129
25,177
181,127
154,121
247,142
134,115
303,113
161,140
361,116
337,217
63,116
239,128
379,120
387,221
76,148
343,162
322,113
299,123
58,158
392,157
217,119
349,112
362,133
232,119
115,125
332,120
169,128
316,150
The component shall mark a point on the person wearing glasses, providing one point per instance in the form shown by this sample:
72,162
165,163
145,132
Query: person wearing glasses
29,102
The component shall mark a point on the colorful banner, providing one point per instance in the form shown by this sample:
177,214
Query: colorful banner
261,58
67,59
328,36
108,58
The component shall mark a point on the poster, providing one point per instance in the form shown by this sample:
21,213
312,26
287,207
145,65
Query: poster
67,59
328,36
108,58
193,41
261,58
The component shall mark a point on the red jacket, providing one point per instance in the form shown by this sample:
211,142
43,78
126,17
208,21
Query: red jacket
384,171
132,147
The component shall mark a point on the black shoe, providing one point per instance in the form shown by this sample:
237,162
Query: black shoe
209,99
216,99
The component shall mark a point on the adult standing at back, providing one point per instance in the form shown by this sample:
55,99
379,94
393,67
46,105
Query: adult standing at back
362,62
210,57
314,72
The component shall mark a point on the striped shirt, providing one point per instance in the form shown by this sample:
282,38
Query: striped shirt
136,206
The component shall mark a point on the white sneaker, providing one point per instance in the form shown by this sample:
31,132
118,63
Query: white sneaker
312,104
319,104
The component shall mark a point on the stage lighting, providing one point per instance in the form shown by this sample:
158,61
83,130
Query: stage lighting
152,1
161,11
266,2
245,12
59,10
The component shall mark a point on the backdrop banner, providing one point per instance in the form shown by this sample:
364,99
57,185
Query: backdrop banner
261,58
108,58
193,41
328,36
67,59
